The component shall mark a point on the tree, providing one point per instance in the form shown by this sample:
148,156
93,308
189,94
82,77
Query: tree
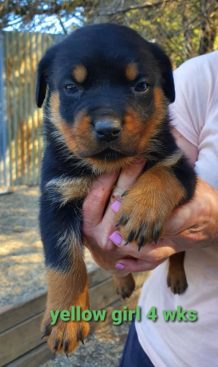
185,28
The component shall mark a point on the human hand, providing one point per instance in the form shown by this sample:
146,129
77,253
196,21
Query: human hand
98,215
192,225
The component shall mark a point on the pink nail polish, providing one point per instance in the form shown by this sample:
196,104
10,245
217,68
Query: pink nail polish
116,238
119,266
116,206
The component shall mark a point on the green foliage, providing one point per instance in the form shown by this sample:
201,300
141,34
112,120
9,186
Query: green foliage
185,28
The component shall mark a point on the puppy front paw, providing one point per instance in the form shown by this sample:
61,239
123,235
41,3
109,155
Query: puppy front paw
140,219
64,336
148,204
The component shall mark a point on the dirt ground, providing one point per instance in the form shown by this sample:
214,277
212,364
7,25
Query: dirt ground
22,270
22,265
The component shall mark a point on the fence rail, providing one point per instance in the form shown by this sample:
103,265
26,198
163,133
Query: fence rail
21,138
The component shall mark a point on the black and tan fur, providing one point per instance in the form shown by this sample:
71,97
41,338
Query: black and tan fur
106,93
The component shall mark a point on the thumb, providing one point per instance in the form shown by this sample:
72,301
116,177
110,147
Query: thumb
96,200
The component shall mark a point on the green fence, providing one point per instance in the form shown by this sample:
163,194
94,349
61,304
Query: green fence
21,138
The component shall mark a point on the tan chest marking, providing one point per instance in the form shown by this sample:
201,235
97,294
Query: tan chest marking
69,189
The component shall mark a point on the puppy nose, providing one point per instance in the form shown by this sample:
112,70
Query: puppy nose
107,129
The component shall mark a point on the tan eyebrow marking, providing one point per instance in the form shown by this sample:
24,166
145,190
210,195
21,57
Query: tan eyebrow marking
131,71
80,73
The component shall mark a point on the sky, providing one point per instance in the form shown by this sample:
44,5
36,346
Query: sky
46,24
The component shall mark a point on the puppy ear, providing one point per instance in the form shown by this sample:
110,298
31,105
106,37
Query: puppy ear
165,67
41,84
42,76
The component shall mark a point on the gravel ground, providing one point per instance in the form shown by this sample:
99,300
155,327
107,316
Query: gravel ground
22,270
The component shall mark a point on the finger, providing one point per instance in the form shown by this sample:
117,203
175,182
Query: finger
127,177
150,252
125,180
179,220
187,240
136,265
190,214
97,199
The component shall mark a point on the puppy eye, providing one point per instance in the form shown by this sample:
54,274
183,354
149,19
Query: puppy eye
71,88
141,87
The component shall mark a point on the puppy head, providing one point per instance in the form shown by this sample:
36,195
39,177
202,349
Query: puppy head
108,91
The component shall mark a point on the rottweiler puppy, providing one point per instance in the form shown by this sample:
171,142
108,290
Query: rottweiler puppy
106,93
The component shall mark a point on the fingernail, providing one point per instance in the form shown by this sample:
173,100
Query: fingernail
116,206
119,266
116,238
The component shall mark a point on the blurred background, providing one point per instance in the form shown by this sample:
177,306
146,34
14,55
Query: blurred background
184,28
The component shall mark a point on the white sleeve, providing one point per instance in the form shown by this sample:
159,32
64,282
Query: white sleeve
195,112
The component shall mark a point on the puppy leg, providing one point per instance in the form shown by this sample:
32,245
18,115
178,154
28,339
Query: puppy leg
176,278
66,289
148,204
66,270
